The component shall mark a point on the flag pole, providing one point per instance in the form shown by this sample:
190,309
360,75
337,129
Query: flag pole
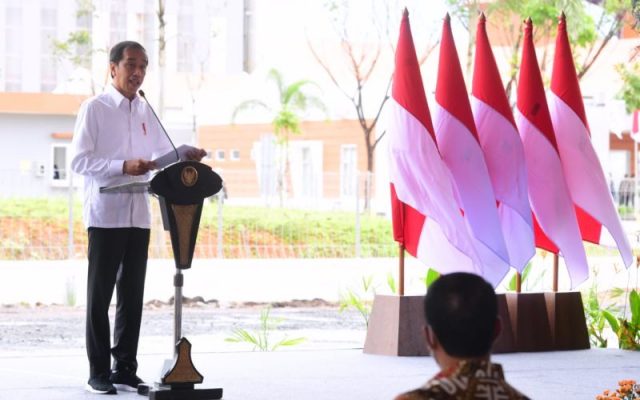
634,195
401,270
555,273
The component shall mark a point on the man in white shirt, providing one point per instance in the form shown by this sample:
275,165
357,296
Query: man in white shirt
115,138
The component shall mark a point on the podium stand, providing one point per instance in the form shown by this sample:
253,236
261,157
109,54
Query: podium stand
181,189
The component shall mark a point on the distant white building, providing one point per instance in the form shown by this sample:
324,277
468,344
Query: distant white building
202,38
217,54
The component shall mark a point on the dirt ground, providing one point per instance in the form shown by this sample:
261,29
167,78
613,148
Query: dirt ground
322,324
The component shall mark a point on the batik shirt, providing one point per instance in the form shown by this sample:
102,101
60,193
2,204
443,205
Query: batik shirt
470,380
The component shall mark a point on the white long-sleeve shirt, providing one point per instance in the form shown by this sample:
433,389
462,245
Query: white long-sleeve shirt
109,130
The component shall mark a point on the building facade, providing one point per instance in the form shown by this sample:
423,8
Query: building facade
205,58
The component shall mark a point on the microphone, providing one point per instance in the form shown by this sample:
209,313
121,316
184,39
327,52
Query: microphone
161,126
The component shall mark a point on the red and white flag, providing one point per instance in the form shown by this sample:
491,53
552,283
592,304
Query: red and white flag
555,222
426,217
460,148
503,152
585,178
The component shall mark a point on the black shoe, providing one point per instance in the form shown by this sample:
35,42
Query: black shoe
125,380
101,385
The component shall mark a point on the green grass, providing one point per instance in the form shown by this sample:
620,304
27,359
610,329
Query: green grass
41,208
309,233
247,231
300,226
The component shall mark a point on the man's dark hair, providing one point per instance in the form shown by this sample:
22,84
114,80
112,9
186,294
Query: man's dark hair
117,51
461,309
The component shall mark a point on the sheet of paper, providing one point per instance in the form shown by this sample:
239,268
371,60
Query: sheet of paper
129,187
170,157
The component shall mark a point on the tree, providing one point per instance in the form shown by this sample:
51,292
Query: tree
78,47
466,11
630,73
292,103
630,92
362,53
584,32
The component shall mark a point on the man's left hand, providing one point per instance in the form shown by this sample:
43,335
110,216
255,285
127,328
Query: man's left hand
195,154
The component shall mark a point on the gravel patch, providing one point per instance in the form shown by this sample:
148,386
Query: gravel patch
205,323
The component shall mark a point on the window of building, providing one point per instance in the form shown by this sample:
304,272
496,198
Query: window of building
13,48
307,173
264,153
219,155
234,155
304,175
348,170
60,164
48,33
186,37
118,21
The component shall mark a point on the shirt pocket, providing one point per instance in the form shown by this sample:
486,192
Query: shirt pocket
142,139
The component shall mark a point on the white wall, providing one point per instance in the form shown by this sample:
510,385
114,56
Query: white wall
26,144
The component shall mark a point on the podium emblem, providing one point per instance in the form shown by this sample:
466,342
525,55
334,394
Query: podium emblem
189,176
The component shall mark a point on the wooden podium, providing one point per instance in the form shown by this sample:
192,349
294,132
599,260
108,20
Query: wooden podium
181,189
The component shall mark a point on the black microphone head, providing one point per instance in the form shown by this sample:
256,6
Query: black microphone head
141,93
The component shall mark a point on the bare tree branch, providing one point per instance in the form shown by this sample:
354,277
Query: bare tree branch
326,68
615,26
362,60
428,52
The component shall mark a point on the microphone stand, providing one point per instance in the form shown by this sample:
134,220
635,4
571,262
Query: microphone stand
177,279
179,375
141,93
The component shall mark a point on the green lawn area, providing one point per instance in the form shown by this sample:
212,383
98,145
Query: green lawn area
39,228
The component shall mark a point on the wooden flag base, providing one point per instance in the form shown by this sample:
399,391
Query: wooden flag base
567,321
396,326
506,341
531,322
535,322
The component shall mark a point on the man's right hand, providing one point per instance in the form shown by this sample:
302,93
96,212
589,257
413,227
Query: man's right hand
137,167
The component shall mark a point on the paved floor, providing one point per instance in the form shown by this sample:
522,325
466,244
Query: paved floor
228,280
56,372
326,374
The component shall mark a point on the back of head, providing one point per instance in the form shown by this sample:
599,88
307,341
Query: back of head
461,309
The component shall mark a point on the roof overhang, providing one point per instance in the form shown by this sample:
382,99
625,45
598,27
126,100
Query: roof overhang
40,103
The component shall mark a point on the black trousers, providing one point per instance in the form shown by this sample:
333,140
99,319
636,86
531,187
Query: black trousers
117,258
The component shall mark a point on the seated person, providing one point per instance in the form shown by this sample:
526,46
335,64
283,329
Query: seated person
462,322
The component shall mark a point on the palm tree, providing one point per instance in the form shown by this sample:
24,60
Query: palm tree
293,102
